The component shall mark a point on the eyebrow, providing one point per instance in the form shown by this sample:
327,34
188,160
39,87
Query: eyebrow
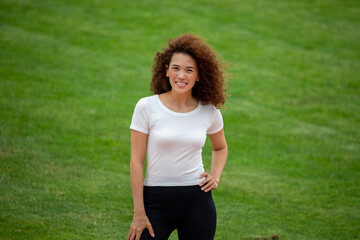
175,65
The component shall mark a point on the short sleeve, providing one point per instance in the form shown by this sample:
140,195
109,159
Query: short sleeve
216,123
140,118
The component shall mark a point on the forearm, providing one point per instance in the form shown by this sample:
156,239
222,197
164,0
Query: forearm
218,160
140,220
137,178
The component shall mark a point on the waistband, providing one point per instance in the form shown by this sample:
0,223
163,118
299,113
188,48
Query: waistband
173,188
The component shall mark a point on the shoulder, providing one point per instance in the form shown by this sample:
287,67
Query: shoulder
210,108
215,119
147,105
146,100
210,112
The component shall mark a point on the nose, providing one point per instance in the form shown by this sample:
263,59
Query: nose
181,74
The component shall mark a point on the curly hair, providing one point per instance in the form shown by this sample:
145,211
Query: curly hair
212,86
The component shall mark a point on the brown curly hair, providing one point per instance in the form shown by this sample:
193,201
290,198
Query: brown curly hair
212,85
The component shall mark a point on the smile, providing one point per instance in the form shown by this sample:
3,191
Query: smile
180,84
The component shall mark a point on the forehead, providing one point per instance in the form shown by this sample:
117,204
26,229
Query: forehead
183,59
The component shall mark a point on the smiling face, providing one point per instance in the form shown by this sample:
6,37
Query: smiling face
182,72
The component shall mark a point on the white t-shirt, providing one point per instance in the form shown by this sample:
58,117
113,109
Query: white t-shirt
175,140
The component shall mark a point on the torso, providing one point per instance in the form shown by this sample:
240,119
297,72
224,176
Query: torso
175,140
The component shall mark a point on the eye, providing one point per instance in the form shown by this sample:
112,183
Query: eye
175,68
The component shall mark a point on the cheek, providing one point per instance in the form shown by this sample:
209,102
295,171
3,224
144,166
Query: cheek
171,75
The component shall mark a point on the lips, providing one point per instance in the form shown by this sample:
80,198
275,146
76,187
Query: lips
181,84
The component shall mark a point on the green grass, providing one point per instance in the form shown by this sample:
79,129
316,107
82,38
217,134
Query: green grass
72,71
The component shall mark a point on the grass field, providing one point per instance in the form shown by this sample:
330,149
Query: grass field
71,73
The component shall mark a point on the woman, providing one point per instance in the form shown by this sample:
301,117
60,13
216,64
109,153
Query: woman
170,129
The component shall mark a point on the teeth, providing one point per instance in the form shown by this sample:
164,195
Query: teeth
180,83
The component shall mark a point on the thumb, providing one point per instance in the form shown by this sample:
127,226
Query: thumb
151,230
203,175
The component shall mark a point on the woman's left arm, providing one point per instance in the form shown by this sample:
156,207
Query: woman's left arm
218,160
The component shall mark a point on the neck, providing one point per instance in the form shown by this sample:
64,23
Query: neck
181,99
179,102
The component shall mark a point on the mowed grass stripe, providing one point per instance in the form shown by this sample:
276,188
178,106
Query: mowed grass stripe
71,73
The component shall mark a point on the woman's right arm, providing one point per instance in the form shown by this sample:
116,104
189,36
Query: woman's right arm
138,152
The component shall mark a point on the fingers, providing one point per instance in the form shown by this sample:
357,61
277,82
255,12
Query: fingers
209,182
211,185
135,232
138,235
131,234
151,230
206,176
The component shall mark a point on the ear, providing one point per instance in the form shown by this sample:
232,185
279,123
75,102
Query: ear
167,70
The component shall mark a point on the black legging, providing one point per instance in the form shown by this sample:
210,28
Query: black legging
188,209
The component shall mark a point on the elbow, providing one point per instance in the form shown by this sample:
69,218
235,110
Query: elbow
136,163
222,148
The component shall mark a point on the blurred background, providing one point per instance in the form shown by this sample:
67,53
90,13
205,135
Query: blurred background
71,73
